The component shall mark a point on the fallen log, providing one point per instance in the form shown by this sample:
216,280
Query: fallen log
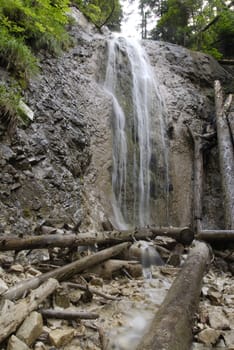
215,235
171,328
226,153
68,315
64,272
15,314
183,235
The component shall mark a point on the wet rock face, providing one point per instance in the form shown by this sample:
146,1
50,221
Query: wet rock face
186,82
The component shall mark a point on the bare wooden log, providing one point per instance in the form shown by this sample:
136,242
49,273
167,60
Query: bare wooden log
171,328
215,235
68,315
64,272
226,153
199,142
184,234
91,289
16,313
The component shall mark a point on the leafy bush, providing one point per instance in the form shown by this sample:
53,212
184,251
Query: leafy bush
9,102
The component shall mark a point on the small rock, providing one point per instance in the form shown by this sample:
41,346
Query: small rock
3,286
60,337
15,343
61,299
209,336
218,320
96,281
39,346
16,268
229,338
31,328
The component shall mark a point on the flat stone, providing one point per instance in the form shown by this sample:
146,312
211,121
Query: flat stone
15,343
209,336
60,337
218,320
31,328
229,338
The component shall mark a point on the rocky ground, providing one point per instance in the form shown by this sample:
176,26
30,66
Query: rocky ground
124,309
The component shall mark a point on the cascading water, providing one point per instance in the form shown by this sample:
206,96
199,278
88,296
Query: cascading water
137,108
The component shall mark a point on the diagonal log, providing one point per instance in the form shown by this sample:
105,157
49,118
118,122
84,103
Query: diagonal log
171,328
15,314
226,153
64,272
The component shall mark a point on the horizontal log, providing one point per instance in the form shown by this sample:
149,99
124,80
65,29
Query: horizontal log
171,328
68,315
16,313
183,235
64,272
215,235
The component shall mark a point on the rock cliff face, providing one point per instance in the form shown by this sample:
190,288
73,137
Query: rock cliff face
58,170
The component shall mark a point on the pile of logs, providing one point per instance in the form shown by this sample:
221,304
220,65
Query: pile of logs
30,294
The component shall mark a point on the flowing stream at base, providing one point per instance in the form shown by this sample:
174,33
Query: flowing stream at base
136,105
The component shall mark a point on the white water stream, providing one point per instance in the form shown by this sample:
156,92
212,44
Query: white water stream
132,115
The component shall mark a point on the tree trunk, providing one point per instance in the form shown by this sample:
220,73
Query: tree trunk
171,328
183,235
199,142
64,272
15,314
226,154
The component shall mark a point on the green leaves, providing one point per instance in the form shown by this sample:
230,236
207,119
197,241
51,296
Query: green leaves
198,24
102,12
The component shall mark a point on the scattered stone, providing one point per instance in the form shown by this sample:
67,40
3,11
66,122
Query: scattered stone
229,338
209,336
60,337
61,298
39,346
16,268
3,286
218,320
31,328
15,343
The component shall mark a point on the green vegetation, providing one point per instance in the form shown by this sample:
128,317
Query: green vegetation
9,101
29,26
102,12
198,24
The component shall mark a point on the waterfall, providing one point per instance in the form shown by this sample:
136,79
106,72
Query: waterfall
137,107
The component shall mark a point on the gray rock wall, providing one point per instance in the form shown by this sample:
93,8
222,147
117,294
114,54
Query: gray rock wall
58,170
